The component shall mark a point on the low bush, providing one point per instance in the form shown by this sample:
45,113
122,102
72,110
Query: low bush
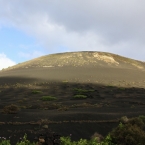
129,133
54,139
36,92
79,97
136,121
124,119
11,109
4,142
48,98
67,141
97,136
25,141
85,92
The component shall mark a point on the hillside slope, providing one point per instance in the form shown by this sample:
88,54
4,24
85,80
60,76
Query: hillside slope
84,58
88,67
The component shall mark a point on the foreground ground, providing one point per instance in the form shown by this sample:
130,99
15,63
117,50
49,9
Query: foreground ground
99,112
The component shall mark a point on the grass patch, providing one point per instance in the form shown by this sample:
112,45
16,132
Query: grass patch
48,98
79,97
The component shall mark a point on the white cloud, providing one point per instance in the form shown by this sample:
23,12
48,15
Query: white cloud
5,61
99,25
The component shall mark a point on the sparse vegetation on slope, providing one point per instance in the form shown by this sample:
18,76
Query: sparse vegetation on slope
79,59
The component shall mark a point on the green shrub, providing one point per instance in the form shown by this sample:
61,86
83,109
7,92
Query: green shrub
25,141
48,98
79,97
128,134
64,141
67,141
11,109
136,121
107,141
5,142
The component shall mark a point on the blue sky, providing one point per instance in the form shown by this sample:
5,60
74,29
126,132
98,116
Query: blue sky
29,29
17,45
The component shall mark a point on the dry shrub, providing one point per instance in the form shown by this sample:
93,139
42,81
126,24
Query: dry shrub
11,109
124,119
130,133
97,136
48,138
63,108
52,106
136,121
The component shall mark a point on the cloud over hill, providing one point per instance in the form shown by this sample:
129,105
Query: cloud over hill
5,61
60,26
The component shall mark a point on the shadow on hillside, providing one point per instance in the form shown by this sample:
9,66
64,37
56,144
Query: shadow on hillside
98,112
14,80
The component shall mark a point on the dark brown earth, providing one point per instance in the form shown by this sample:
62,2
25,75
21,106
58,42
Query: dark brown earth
112,92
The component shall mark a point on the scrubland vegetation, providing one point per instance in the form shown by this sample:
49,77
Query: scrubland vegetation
130,131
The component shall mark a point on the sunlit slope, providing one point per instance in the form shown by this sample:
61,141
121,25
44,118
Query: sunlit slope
85,58
96,67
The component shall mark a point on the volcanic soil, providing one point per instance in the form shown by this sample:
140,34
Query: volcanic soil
110,93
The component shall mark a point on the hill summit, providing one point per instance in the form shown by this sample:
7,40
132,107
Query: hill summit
84,58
